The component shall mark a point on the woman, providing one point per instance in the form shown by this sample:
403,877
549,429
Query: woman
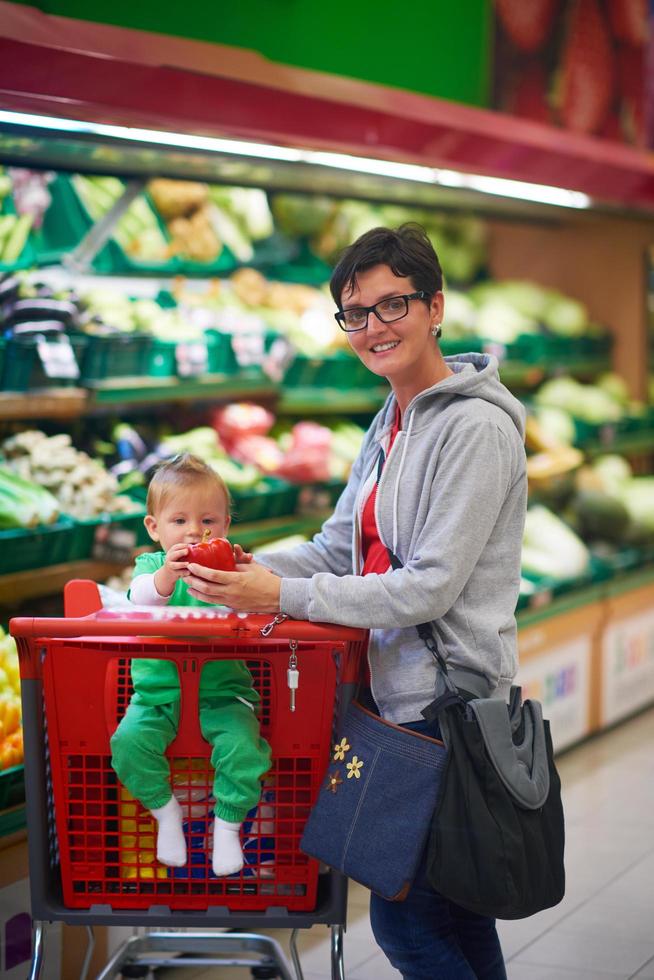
440,482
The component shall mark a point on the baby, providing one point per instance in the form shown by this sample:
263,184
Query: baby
185,498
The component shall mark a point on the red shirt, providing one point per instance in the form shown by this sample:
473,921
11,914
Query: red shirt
375,554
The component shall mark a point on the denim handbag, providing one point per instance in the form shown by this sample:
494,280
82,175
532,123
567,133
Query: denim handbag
376,804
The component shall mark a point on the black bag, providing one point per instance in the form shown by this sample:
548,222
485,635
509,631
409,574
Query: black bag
497,840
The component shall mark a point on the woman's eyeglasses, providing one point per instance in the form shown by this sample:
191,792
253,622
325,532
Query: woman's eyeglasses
387,310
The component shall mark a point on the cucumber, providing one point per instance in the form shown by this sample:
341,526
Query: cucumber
17,239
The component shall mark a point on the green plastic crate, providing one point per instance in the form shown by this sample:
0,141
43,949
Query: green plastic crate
162,361
338,370
115,356
97,537
316,497
22,367
12,787
67,222
270,498
303,267
603,433
64,224
27,256
23,549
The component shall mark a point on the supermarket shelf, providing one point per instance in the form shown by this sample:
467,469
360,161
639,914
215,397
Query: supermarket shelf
636,579
257,533
561,604
56,403
630,444
13,820
136,391
314,401
50,580
34,583
516,375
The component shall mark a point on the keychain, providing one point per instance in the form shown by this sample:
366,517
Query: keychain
292,674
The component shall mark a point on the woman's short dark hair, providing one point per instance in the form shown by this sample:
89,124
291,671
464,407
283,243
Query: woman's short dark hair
406,251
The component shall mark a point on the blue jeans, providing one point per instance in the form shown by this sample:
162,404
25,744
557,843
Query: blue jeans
426,936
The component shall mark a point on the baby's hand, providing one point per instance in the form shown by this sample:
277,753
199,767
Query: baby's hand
241,557
175,564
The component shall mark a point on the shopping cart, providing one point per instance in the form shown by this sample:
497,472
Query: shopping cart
92,847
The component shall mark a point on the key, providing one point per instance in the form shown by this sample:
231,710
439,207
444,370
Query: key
292,674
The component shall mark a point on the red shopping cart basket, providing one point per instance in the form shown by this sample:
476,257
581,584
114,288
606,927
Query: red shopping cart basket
102,839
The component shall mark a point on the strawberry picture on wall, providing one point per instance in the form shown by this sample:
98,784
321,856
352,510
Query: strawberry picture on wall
577,64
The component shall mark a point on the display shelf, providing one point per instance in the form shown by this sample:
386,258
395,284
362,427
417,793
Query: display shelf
257,533
562,604
51,403
629,444
327,401
216,387
32,584
13,820
629,581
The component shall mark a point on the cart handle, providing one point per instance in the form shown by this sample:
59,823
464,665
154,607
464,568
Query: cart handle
178,623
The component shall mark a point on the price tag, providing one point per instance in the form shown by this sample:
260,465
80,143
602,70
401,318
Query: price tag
278,358
114,543
540,599
58,358
192,359
248,349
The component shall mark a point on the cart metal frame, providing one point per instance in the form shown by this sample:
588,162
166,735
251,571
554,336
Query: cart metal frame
239,944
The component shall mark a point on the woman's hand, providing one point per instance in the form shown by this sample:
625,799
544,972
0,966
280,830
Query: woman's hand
251,588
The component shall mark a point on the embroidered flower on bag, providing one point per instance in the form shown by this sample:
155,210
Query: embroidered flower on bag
355,766
340,749
333,781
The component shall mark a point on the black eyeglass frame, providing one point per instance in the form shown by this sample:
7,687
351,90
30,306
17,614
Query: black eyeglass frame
340,316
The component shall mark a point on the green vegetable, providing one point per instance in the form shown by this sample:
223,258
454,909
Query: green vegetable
600,516
24,504
550,548
17,239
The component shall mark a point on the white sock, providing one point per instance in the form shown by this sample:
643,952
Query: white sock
227,856
171,843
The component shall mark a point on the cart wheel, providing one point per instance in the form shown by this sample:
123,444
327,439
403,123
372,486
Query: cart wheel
135,971
264,973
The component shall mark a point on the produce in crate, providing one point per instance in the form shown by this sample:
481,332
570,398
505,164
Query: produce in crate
136,231
583,401
11,734
81,485
550,548
23,503
611,504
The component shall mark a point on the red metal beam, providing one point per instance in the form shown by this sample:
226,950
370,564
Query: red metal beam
340,114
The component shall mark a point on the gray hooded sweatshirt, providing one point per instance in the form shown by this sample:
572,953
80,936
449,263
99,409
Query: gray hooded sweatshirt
451,505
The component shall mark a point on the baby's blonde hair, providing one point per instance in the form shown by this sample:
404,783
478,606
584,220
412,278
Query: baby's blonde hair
183,470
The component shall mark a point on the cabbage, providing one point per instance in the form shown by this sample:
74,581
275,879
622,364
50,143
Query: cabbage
557,424
550,548
564,316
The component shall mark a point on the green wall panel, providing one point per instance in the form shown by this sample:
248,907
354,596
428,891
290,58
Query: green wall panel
439,48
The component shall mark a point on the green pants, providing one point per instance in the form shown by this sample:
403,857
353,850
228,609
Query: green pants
239,756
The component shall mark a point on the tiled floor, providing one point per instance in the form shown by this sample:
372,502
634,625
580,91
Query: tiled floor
604,928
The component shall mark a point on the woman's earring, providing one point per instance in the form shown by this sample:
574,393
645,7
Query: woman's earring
436,330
